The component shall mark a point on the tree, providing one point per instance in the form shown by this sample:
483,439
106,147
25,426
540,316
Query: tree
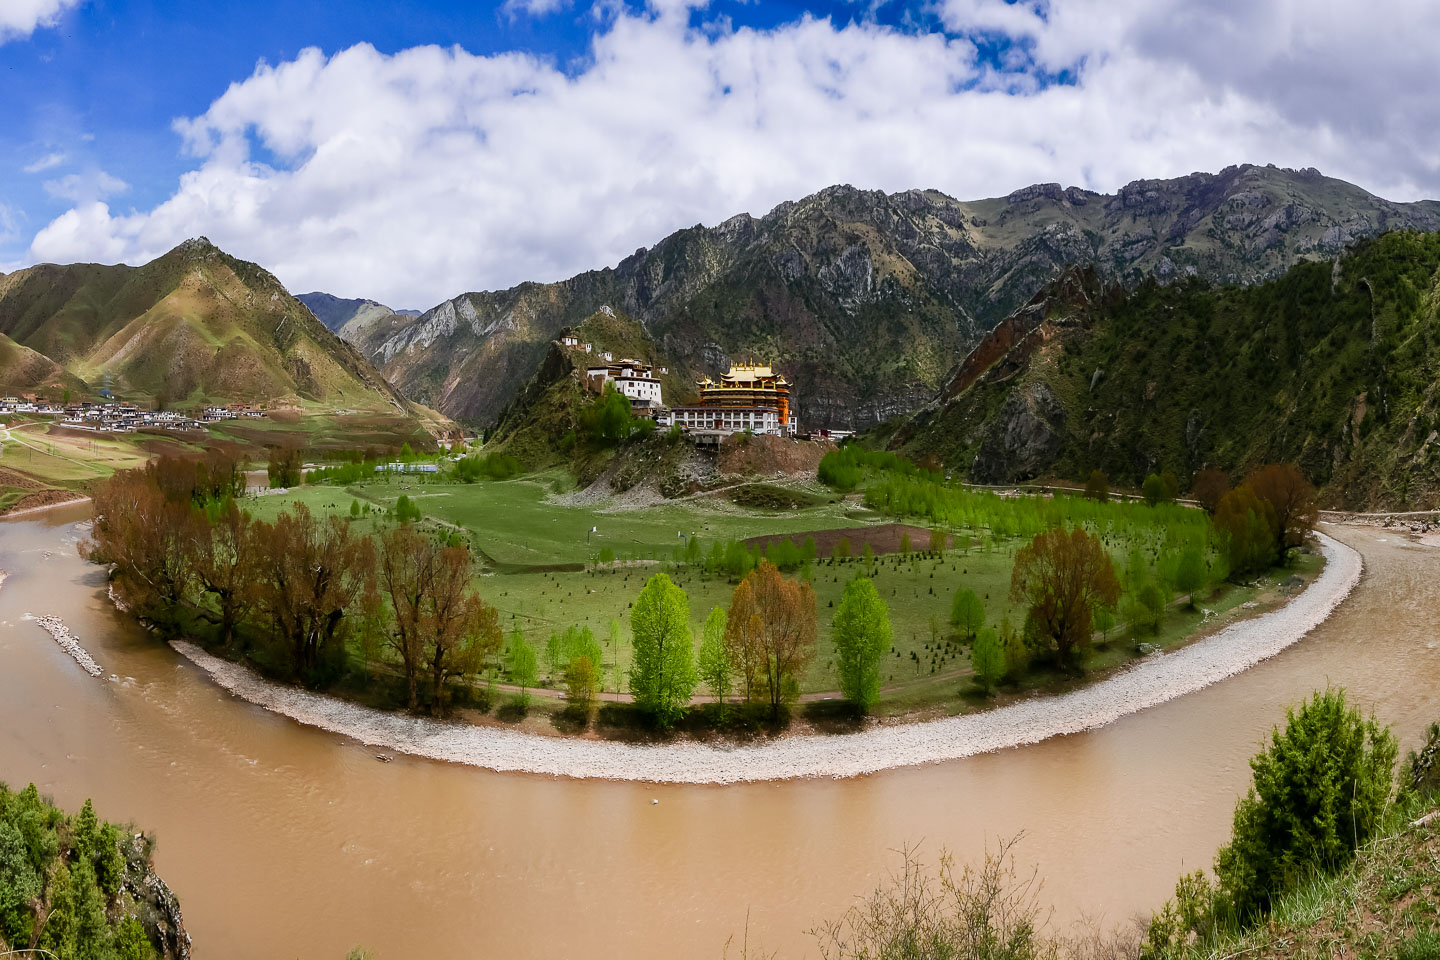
1171,483
1097,488
905,544
223,562
1209,486
862,635
149,537
1150,600
987,659
1017,654
1104,621
582,680
967,613
771,625
1190,572
524,666
1061,578
1246,527
404,568
1153,490
1292,498
284,467
459,630
842,549
354,509
615,651
662,672
938,540
714,664
407,510
309,574
1319,792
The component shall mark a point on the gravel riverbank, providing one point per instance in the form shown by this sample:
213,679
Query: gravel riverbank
1150,682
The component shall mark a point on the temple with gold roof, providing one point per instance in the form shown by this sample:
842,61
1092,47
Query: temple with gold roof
749,397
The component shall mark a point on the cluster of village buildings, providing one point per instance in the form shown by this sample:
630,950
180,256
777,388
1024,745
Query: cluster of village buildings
122,417
751,397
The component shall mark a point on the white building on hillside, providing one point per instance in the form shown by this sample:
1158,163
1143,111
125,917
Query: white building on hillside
632,379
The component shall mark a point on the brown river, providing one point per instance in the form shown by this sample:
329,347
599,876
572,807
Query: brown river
283,841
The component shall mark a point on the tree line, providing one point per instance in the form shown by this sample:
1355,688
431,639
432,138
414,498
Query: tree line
294,593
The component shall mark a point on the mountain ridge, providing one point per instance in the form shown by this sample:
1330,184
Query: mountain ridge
865,299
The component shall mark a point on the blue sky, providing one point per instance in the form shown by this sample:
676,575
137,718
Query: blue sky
532,139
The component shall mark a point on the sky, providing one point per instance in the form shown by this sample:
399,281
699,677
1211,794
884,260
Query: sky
409,153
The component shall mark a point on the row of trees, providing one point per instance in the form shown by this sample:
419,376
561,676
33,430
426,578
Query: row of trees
758,648
300,588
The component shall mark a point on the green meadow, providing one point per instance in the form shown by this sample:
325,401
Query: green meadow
540,569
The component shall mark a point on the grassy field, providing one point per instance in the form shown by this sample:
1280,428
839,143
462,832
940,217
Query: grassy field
542,576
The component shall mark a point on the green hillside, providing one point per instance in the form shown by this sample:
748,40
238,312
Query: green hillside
193,325
1334,365
22,370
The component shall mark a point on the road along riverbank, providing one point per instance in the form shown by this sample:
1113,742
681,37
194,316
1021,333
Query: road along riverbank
1152,681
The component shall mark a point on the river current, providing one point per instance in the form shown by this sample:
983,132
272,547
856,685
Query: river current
285,841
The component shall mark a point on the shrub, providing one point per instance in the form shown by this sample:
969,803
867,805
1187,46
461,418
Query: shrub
1319,792
1097,488
1422,767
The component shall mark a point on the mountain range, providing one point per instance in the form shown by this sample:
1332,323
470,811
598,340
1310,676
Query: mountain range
866,299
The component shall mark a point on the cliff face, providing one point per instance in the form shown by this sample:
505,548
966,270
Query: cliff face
865,299
1334,366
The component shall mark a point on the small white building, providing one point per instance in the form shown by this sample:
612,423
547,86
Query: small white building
632,379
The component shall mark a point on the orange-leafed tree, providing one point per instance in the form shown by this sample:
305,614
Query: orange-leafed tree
1208,487
770,632
403,567
460,629
1062,577
1292,497
224,555
147,536
309,575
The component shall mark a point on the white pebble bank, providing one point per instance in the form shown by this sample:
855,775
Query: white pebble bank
68,642
1149,682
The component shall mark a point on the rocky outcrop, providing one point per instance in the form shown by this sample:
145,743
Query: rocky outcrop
1024,438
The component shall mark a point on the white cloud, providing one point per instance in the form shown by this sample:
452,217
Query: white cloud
20,18
85,188
46,162
412,177
532,8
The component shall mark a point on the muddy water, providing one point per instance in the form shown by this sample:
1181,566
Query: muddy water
282,841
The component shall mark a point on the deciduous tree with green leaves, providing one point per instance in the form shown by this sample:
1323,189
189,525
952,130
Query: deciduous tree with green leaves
715,667
987,660
524,666
967,613
862,635
662,673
